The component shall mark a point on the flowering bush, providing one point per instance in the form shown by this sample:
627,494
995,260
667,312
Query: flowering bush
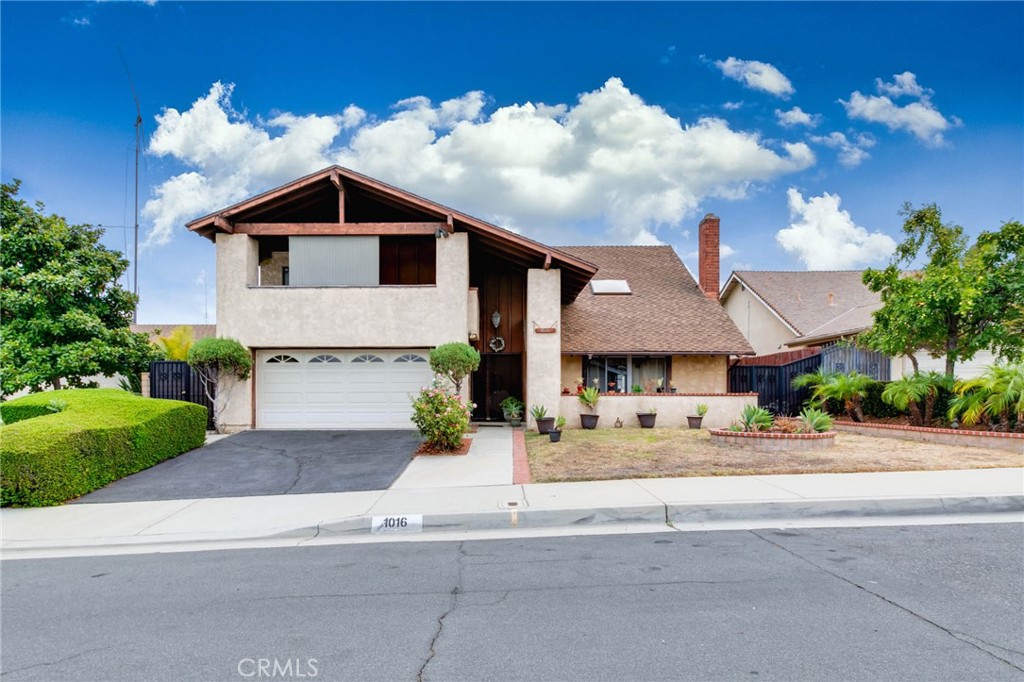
441,417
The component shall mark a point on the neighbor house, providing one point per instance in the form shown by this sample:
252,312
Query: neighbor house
780,311
340,285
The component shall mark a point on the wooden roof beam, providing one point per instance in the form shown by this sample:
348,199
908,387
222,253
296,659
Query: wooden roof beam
337,229
223,224
336,181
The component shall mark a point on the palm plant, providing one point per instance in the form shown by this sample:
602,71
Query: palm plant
910,392
175,346
848,389
997,396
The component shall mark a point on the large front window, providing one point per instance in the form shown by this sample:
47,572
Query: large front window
627,373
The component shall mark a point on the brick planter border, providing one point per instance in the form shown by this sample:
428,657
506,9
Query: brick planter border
773,442
1001,440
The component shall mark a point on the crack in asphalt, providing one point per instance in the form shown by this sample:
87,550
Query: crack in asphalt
440,621
62,660
959,636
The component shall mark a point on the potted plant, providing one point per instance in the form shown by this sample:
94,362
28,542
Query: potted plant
647,418
540,415
589,397
637,388
512,409
555,434
672,386
694,420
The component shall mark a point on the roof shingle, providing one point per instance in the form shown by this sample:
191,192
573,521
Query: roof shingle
666,313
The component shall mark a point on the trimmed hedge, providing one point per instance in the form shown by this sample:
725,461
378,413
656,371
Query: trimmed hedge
100,436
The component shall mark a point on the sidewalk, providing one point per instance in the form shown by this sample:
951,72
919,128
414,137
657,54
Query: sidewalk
475,493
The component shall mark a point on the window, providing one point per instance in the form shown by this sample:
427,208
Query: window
324,358
280,358
620,373
367,358
410,358
609,287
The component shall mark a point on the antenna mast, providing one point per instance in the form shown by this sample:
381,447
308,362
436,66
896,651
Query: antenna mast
138,144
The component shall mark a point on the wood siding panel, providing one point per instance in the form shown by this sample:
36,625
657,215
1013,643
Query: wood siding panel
408,260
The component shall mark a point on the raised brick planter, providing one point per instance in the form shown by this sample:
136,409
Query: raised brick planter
773,442
1013,442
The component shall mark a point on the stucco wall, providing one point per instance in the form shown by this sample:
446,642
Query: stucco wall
543,351
700,373
270,269
335,317
572,369
765,332
672,409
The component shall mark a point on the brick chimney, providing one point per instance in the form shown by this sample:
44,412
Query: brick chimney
708,255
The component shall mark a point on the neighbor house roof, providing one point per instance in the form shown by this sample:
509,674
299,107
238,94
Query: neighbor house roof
808,300
199,331
665,313
576,272
853,321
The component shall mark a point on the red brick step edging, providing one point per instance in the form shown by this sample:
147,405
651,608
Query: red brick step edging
520,463
1014,442
773,442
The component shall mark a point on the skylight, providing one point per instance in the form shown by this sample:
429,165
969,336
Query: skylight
605,287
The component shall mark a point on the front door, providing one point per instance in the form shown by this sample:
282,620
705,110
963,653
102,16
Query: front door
499,376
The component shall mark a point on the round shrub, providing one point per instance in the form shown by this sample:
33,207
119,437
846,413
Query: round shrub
454,361
441,417
222,355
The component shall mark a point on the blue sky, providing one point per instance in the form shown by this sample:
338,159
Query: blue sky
805,126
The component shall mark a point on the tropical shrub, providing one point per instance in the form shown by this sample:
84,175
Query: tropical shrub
513,406
441,417
915,393
996,397
55,449
454,361
848,390
176,344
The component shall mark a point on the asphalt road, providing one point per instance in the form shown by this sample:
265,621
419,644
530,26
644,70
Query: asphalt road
272,463
897,603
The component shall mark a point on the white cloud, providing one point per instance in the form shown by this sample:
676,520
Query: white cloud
609,160
921,117
669,54
732,106
825,238
796,116
851,152
757,75
81,21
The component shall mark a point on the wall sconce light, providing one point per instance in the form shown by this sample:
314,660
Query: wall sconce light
496,319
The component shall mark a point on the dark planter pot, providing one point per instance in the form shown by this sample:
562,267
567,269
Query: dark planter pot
589,421
694,422
555,436
545,424
515,422
646,419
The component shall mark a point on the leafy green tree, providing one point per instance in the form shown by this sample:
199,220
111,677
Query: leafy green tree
63,316
215,359
454,361
965,298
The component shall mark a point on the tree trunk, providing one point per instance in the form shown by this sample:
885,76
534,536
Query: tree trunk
951,345
55,382
915,414
913,361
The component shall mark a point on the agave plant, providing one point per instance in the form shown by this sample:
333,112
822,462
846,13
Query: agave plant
754,418
848,389
815,420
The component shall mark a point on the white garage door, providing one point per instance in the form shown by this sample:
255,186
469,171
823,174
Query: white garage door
332,389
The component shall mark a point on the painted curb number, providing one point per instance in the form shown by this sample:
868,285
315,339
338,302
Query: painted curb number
397,524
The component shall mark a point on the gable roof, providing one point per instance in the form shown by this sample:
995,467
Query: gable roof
853,321
806,300
576,272
665,313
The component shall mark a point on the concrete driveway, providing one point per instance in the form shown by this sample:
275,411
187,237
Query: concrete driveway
271,463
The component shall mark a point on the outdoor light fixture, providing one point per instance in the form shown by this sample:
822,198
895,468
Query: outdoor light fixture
496,319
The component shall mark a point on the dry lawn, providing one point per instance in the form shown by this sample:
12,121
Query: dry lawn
644,453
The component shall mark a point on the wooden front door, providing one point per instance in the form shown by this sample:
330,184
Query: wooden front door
499,376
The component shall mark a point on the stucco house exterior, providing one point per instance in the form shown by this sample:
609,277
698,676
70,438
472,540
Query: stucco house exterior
779,311
340,284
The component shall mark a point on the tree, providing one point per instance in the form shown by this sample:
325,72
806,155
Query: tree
214,359
176,344
965,299
454,361
63,317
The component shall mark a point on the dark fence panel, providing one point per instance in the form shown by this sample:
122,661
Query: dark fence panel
172,380
774,384
843,358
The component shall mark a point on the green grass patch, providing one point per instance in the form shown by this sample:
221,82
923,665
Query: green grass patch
59,445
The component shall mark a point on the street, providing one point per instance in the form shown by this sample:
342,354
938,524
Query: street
911,602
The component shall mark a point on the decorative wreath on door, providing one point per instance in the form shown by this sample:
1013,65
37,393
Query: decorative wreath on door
497,344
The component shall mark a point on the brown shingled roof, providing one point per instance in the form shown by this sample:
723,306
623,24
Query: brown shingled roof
801,298
666,313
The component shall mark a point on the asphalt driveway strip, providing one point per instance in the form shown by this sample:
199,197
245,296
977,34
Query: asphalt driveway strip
271,463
